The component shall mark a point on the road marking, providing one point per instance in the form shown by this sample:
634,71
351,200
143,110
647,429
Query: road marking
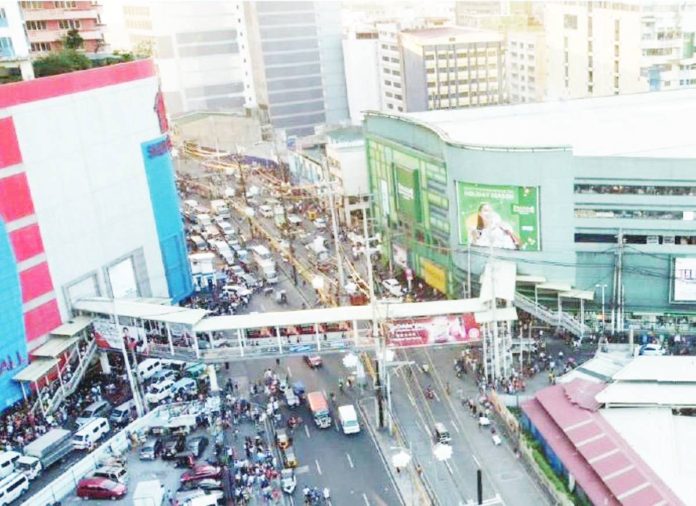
350,461
302,469
367,503
454,425
324,392
306,429
292,501
289,373
449,468
318,466
413,401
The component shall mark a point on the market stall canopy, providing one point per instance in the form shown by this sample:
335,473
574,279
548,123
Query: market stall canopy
36,370
141,310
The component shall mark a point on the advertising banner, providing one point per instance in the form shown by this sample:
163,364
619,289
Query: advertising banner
109,337
434,275
400,256
499,216
434,330
684,280
407,192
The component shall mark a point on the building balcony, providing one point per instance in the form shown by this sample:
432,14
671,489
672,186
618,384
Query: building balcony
59,14
56,35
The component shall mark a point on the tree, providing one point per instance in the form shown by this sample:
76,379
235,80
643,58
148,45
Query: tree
67,60
73,40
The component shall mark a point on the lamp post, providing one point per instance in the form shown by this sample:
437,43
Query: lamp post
603,287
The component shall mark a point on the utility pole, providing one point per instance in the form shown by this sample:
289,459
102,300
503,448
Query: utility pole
620,287
291,248
242,182
334,226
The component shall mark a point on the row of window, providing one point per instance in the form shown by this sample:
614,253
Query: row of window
40,46
658,51
462,82
464,55
42,5
635,214
678,240
602,189
393,72
477,68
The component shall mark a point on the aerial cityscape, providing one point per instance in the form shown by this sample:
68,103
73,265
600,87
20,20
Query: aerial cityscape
360,253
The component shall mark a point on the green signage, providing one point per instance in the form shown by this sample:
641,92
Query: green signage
499,216
407,192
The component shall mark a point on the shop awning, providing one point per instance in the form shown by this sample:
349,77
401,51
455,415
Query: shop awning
578,294
72,327
36,370
55,346
145,311
555,287
530,280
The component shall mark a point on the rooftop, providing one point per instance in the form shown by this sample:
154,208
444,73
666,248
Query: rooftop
346,134
668,369
435,34
657,124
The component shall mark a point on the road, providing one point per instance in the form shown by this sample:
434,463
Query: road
350,466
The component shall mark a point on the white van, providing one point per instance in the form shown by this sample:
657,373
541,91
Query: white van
97,408
121,414
198,242
7,463
187,385
349,419
159,392
90,433
147,368
204,220
12,487
266,211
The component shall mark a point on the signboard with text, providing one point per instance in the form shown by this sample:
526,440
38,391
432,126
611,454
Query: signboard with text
684,279
434,330
407,192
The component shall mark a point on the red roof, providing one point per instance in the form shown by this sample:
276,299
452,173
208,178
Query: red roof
603,464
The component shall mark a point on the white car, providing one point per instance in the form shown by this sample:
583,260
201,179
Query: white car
652,350
320,223
393,287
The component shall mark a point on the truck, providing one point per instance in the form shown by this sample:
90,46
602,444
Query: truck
349,419
220,208
44,452
148,493
267,271
319,409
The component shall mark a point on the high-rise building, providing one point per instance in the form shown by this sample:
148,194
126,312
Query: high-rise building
298,63
47,24
200,49
361,61
14,46
450,67
525,61
607,48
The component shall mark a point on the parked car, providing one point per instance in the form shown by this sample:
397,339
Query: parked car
313,361
151,449
173,446
197,445
320,223
201,472
100,488
163,375
393,287
652,350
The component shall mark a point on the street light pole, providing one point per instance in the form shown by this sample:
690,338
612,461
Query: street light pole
603,287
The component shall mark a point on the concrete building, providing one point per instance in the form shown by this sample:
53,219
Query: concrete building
47,23
361,63
525,62
450,68
14,45
298,63
592,195
88,204
609,48
345,154
200,49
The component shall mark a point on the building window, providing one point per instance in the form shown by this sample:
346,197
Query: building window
36,25
38,47
65,5
6,48
69,24
31,5
570,22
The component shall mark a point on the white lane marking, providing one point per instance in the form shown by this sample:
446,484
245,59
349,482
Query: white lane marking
367,503
449,468
302,469
292,501
306,429
289,376
454,425
413,401
437,397
318,466
478,464
350,461
324,392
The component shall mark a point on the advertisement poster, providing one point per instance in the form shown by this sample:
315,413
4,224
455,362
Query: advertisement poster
400,256
684,280
407,192
109,337
434,330
504,217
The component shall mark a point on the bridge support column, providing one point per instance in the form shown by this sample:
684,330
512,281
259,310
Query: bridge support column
240,341
280,340
316,336
169,338
355,332
195,345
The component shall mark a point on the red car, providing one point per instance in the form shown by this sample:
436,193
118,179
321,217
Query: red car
201,472
313,361
100,488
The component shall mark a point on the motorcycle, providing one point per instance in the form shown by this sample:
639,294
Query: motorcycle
429,393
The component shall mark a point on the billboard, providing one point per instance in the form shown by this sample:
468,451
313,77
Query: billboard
684,280
499,216
434,330
110,337
407,195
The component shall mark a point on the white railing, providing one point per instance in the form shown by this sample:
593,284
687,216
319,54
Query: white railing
540,312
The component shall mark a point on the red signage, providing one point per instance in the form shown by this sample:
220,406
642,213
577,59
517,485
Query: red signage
434,330
161,112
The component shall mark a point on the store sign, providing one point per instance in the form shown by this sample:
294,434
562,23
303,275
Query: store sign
159,148
400,256
161,112
433,330
407,200
434,275
504,217
684,280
